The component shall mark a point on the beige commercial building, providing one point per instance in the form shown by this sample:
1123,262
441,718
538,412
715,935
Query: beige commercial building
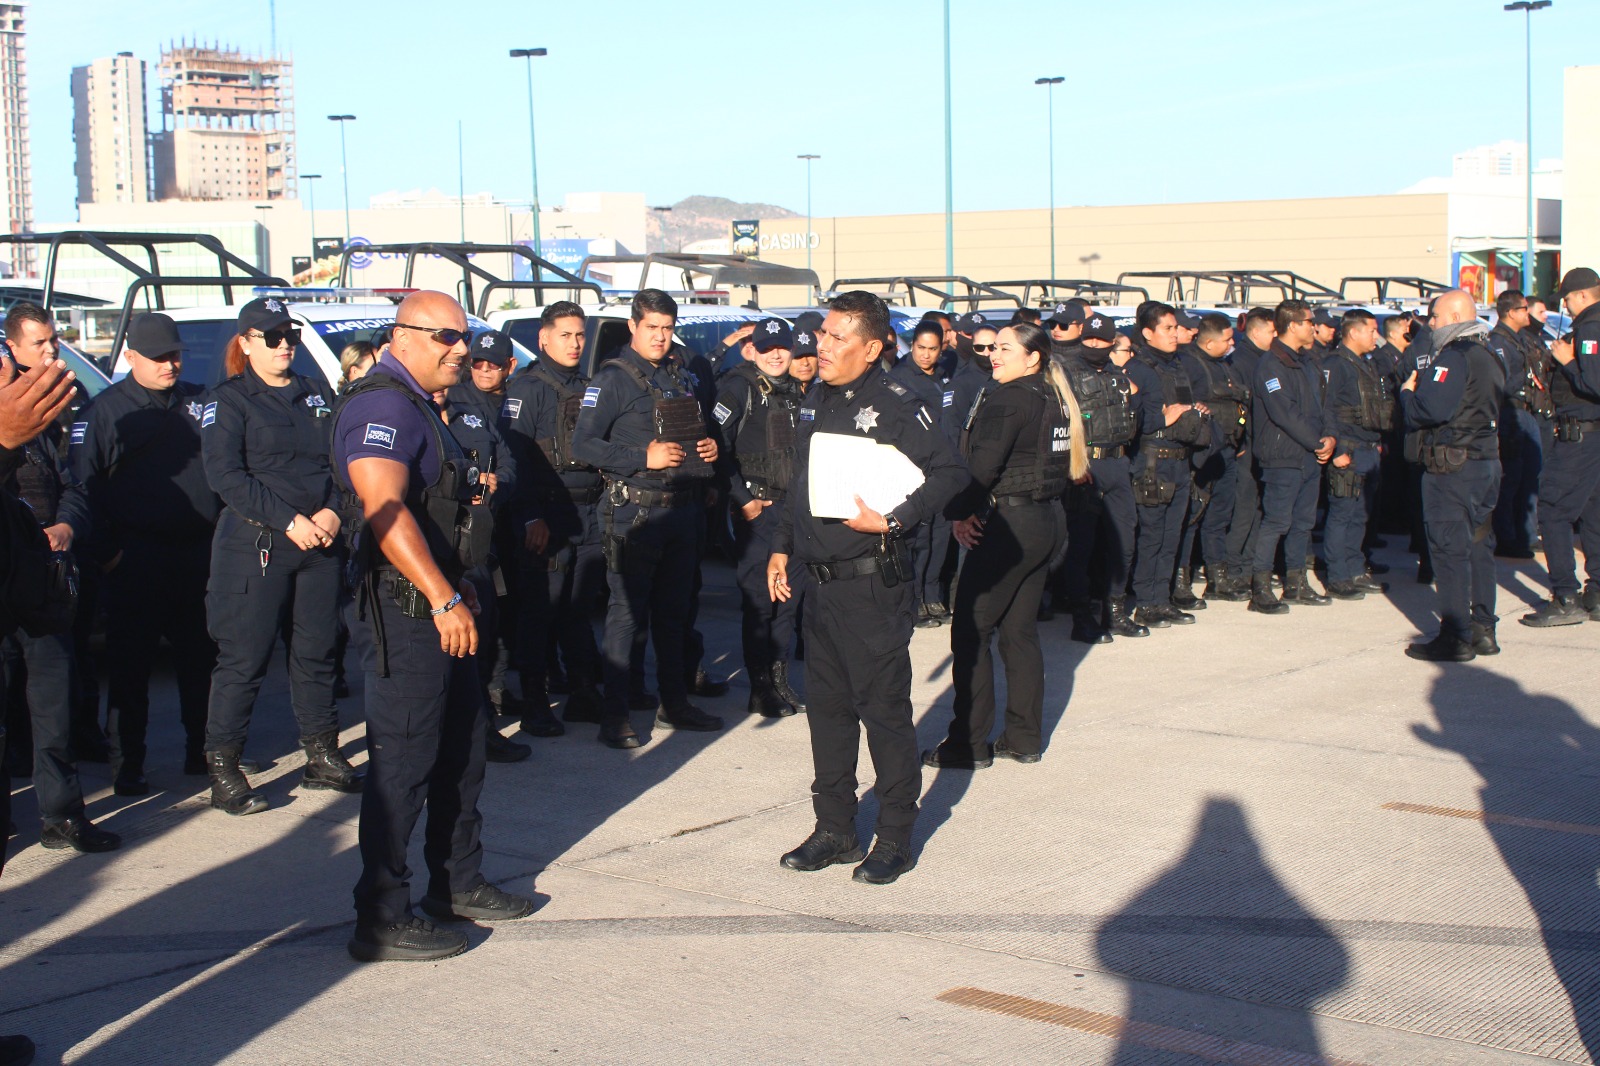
227,126
109,131
1580,123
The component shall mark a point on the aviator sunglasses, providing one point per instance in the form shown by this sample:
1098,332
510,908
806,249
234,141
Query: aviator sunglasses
447,337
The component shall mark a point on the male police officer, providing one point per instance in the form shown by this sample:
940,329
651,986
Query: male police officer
1066,329
1255,336
1524,423
1569,489
1290,441
1224,391
137,452
969,378
756,411
1360,409
858,622
560,540
425,721
639,424
1456,404
922,376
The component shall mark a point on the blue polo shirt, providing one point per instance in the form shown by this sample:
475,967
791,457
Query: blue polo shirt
383,424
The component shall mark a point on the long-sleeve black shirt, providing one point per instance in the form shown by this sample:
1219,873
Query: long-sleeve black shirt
266,449
616,422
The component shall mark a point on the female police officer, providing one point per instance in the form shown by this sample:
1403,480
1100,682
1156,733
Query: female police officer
1022,447
275,562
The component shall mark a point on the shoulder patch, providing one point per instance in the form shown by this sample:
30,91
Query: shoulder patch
591,397
895,387
78,431
209,415
511,410
808,414
1440,373
722,412
379,436
1273,384
1588,347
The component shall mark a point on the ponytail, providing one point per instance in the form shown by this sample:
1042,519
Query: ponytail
1078,452
233,358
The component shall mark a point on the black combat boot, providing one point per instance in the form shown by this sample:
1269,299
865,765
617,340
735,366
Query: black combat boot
1591,600
537,720
764,699
1121,624
1262,599
1444,648
230,791
780,682
1227,586
1183,596
1297,589
1482,639
585,702
326,766
1086,627
1559,611
1151,618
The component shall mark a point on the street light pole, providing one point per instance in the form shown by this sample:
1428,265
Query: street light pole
808,157
1528,7
344,169
1050,110
949,198
533,148
312,189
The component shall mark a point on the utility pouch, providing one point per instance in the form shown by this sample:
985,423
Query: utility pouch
612,546
60,605
1344,482
1150,489
679,421
1569,430
409,598
894,561
1443,459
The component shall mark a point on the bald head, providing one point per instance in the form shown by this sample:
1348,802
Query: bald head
432,362
1452,307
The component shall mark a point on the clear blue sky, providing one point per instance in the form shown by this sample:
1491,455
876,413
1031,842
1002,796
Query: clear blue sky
1164,99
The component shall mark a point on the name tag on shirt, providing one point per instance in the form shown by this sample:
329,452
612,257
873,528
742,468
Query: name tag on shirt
379,436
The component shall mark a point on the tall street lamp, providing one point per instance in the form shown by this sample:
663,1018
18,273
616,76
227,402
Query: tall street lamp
949,199
1050,109
533,149
312,189
662,211
344,167
808,157
1528,7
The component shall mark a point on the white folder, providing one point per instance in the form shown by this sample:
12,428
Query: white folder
843,467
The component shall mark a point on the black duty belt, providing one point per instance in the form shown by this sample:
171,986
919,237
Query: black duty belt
660,497
762,491
577,496
826,572
1587,427
1164,451
1107,451
1016,501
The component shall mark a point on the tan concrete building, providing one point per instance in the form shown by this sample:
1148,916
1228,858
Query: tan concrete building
109,131
1580,222
227,127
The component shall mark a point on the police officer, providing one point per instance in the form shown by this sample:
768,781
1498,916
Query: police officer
930,540
426,525
1224,391
859,619
640,426
1171,428
1324,333
1569,489
137,452
562,569
756,412
804,367
1101,514
1290,442
1524,423
276,566
1455,403
1255,336
39,477
1066,329
970,376
1022,448
1360,409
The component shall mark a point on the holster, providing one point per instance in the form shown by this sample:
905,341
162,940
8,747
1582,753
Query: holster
409,598
1569,430
894,561
1443,458
1150,489
1344,481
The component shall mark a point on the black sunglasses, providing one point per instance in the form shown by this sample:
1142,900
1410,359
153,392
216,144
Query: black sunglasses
984,347
276,337
447,337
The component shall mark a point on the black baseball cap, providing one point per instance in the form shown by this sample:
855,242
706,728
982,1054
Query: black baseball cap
810,321
1323,317
153,335
973,321
1186,320
772,333
1578,278
267,312
1100,327
492,346
1065,315
805,344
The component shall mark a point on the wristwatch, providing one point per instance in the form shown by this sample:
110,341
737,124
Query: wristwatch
895,528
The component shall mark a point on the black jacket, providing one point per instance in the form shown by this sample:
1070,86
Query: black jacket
1286,408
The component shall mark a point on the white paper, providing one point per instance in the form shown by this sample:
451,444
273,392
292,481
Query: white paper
843,467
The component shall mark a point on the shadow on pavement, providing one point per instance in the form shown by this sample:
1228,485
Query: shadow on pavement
1538,758
1218,920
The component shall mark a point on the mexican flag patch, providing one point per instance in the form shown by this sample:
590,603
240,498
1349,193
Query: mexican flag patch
1588,347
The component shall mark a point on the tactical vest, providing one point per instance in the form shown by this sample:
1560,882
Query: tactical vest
1534,389
1175,388
1228,399
1107,409
1474,426
457,530
569,401
766,452
39,484
677,420
1049,474
1375,410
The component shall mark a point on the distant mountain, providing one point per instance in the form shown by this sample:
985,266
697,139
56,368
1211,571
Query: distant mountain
700,218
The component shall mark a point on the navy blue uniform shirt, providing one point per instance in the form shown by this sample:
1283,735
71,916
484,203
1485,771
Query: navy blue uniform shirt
531,413
617,420
382,424
266,449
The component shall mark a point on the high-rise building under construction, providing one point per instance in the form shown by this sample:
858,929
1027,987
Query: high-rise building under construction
227,126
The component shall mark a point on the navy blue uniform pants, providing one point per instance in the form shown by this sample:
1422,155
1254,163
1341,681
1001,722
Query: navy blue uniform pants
1001,582
1101,520
654,593
48,662
158,589
1522,451
1210,511
1457,511
930,544
1288,511
858,673
248,609
1160,530
1346,527
1246,522
767,630
1569,496
557,589
426,724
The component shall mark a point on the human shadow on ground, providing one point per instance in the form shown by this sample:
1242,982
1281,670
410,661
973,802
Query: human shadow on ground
1538,757
1219,921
